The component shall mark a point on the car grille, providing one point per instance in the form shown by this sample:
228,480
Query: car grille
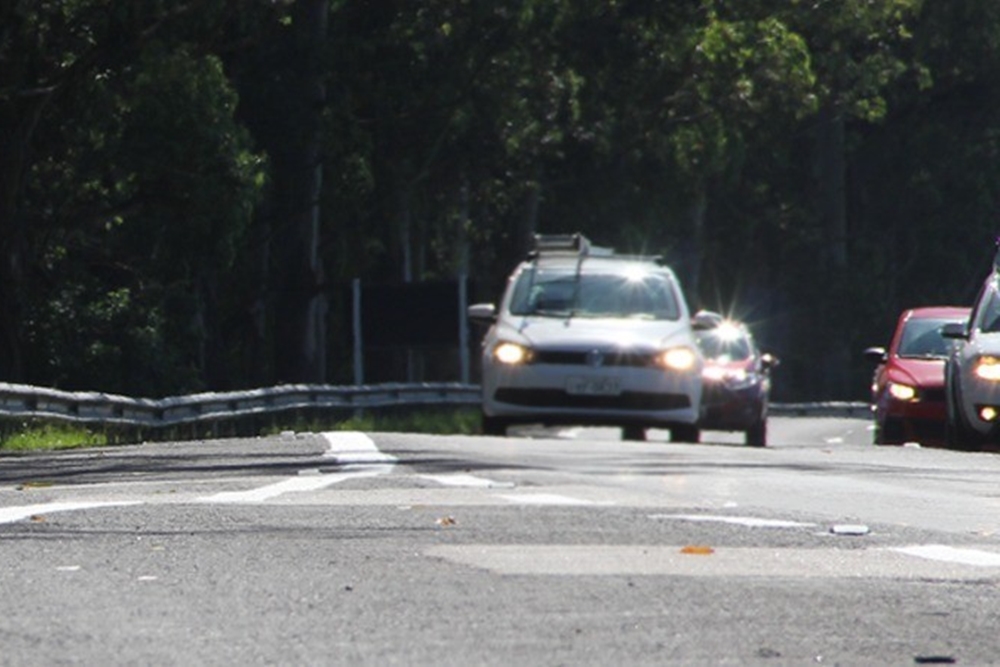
629,400
578,358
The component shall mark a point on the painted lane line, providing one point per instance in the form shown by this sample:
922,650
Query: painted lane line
548,499
748,521
673,560
290,485
940,552
467,481
13,514
356,452
354,448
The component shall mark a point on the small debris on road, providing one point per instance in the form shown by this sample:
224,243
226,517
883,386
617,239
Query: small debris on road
697,550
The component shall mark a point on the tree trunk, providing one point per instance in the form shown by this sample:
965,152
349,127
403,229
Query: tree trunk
830,182
18,120
300,327
695,246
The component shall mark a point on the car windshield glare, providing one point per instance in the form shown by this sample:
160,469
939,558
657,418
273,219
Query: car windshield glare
723,348
922,338
989,314
641,295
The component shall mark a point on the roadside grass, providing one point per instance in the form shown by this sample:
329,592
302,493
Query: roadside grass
41,437
47,436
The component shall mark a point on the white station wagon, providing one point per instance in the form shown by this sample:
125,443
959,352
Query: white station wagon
584,336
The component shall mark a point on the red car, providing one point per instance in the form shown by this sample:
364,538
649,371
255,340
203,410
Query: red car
908,397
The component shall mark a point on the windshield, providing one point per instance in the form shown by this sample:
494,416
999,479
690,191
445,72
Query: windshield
988,315
922,338
724,347
641,294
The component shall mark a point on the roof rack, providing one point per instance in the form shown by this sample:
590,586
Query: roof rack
579,246
567,244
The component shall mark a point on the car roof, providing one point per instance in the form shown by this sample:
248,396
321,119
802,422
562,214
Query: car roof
937,311
598,263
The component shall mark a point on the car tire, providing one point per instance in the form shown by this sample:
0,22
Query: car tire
888,432
756,435
685,433
957,434
634,433
494,426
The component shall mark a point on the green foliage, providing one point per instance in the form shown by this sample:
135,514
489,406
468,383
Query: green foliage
143,242
51,436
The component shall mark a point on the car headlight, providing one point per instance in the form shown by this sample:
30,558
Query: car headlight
729,375
511,354
678,359
988,368
902,392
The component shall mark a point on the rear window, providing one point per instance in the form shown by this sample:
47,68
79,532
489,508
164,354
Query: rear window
639,294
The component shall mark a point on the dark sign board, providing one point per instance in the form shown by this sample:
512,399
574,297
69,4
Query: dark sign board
414,314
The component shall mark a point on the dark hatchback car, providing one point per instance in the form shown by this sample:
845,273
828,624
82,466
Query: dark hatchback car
736,381
908,385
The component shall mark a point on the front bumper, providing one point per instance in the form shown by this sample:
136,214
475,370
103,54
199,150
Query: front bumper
542,394
727,409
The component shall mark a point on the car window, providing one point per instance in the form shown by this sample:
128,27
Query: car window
988,313
722,347
922,338
642,295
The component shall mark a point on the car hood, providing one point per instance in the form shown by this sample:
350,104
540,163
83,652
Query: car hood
577,332
917,372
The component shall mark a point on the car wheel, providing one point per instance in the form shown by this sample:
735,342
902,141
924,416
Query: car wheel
888,432
756,435
685,433
494,426
957,435
634,433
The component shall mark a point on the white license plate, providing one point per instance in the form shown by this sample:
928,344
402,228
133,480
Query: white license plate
580,386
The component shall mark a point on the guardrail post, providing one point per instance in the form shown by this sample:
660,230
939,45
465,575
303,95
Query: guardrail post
359,368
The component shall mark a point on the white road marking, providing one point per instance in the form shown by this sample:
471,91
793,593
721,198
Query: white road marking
467,481
354,451
706,561
548,499
12,514
940,552
353,447
751,522
290,485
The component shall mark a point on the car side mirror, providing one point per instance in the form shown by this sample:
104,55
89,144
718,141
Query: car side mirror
482,313
955,330
876,354
769,361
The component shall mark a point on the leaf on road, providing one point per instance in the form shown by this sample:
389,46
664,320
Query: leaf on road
697,550
33,485
446,521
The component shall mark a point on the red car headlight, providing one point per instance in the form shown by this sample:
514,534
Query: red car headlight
902,392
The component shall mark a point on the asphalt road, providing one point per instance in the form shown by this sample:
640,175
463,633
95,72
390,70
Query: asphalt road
544,548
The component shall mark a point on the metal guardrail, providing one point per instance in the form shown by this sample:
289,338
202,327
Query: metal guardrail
25,401
95,408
